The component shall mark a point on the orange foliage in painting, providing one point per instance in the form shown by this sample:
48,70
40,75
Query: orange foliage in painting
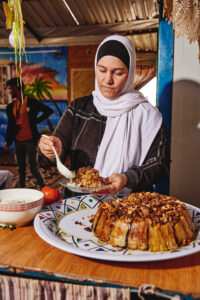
32,71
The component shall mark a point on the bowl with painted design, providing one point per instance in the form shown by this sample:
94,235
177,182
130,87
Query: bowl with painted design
19,206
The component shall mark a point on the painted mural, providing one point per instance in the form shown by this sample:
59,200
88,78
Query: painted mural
44,73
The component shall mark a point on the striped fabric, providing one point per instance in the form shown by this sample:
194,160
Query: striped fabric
17,288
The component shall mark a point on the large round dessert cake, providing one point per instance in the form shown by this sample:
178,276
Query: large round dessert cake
144,221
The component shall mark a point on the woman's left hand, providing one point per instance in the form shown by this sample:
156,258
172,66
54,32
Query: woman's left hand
113,184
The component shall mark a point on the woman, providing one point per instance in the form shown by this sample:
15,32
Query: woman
115,130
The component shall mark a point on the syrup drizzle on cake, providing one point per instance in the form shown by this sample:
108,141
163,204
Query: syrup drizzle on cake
144,221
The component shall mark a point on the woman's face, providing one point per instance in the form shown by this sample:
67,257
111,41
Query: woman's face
111,74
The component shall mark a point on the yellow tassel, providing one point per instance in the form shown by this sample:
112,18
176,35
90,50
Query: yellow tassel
9,15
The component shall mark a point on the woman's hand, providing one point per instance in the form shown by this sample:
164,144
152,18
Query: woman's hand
45,145
6,148
114,184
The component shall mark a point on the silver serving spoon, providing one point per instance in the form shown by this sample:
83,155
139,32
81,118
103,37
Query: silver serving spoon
61,168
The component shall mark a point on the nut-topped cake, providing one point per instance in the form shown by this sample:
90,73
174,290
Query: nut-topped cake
144,221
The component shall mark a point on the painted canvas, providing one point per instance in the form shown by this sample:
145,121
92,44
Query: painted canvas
46,63
44,73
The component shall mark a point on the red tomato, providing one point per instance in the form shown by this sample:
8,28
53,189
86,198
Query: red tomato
50,194
56,194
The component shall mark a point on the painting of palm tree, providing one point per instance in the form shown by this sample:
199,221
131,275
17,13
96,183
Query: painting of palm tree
41,89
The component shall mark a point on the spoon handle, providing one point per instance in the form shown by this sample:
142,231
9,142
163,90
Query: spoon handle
61,168
55,152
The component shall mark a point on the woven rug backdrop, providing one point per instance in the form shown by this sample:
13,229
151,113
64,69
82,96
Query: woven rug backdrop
49,172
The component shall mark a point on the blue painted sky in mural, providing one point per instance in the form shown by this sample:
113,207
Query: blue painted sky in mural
38,55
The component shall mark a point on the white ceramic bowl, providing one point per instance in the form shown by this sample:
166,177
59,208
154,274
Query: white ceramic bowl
19,206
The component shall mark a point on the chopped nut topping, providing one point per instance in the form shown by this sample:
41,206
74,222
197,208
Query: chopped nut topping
88,177
143,205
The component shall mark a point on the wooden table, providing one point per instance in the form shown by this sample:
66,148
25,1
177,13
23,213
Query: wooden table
23,250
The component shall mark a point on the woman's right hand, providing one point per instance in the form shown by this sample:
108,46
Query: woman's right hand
6,148
45,145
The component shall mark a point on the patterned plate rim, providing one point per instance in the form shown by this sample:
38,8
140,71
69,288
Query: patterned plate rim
47,229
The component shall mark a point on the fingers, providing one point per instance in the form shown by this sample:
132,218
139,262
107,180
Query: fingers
109,189
113,184
46,143
106,180
5,146
57,144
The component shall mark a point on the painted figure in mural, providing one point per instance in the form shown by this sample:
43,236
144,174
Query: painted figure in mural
24,113
115,129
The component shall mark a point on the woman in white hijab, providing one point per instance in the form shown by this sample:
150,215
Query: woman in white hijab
115,130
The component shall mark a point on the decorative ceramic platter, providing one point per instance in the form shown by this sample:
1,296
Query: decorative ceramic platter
78,189
65,225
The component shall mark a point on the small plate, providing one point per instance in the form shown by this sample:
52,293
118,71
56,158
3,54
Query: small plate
79,189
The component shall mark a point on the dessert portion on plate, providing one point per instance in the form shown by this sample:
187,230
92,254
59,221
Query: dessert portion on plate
88,177
87,180
144,221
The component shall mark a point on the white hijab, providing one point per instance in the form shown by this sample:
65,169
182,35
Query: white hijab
132,122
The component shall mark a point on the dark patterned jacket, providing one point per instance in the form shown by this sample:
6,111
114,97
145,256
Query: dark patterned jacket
81,129
34,107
